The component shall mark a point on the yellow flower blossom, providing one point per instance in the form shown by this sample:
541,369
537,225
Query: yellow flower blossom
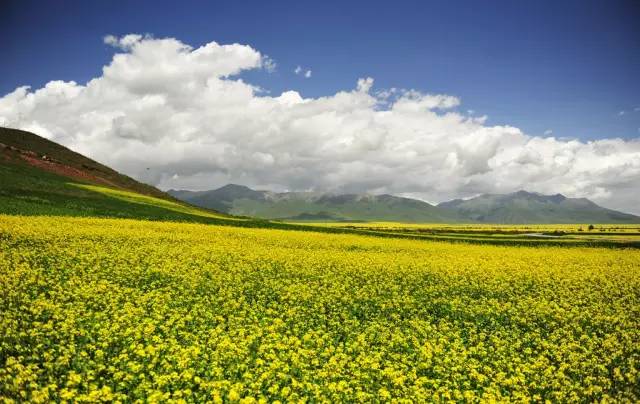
109,310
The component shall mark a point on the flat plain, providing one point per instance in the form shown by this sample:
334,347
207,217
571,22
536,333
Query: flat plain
119,309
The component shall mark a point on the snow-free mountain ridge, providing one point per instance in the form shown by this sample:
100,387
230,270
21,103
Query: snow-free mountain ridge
520,207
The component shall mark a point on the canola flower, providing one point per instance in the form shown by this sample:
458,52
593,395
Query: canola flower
132,311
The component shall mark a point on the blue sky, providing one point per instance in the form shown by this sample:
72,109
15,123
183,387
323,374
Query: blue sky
182,96
566,66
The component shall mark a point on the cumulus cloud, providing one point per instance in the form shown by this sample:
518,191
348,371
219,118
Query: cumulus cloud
187,115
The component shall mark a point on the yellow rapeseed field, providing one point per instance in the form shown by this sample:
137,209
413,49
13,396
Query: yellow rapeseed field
111,309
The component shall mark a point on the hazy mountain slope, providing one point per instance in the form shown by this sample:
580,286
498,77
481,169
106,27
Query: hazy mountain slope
528,207
221,199
241,200
519,207
40,177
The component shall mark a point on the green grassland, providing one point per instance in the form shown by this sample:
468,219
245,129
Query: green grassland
26,190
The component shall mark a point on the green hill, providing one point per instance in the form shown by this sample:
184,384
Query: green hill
40,177
33,150
527,207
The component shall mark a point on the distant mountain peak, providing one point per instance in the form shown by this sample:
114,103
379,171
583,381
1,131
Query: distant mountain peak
556,198
533,207
522,192
234,187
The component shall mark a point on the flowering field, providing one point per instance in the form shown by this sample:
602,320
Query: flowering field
114,309
593,235
631,229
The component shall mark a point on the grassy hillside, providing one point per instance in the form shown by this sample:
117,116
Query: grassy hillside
40,177
18,146
25,190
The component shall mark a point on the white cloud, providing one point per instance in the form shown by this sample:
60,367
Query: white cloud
548,132
125,43
269,64
621,113
184,113
300,71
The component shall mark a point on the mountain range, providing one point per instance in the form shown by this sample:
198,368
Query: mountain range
520,207
312,206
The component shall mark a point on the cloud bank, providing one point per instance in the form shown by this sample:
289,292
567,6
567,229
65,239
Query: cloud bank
181,117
